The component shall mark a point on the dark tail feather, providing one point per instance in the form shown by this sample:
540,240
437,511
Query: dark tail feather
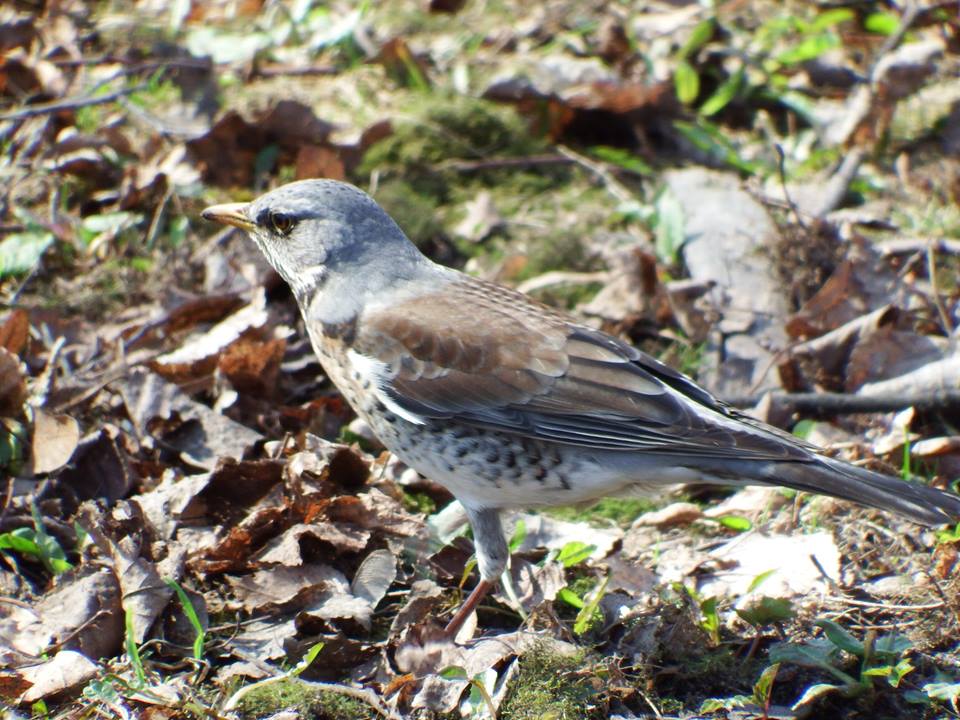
826,476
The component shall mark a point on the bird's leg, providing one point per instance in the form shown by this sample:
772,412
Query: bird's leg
467,607
492,553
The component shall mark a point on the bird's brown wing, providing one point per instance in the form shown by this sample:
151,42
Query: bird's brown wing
480,354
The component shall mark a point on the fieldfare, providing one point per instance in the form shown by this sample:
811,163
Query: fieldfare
509,403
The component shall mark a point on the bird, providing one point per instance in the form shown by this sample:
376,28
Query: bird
509,403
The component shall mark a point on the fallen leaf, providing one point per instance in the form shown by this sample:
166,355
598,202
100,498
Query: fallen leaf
15,331
55,438
252,366
13,385
99,467
534,584
286,549
281,587
199,356
264,639
374,576
64,672
316,161
82,613
785,557
204,436
680,513
124,537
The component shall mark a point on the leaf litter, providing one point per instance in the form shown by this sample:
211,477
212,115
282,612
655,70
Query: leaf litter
165,427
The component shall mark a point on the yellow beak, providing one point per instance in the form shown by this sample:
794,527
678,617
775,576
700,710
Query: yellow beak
229,214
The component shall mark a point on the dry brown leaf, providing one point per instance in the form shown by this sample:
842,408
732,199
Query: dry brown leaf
292,124
13,684
265,639
124,536
200,354
679,513
726,233
166,505
481,219
286,549
22,74
235,552
633,293
227,153
374,576
13,385
886,353
547,532
276,588
204,436
423,600
252,366
335,603
227,674
317,161
84,613
55,438
17,31
750,502
446,6
785,557
930,447
15,331
66,671
100,466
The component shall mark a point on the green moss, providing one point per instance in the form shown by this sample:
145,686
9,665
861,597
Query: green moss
560,251
415,212
456,127
550,686
419,502
622,511
449,129
308,701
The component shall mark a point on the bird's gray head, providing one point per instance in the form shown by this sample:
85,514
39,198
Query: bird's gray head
314,230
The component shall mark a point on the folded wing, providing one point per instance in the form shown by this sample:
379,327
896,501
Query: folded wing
482,355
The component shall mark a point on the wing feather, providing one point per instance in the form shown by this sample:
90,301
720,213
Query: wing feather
482,355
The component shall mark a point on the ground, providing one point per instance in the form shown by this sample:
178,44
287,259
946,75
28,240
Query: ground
763,195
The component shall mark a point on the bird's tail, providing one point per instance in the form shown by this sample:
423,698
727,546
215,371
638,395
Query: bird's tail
826,476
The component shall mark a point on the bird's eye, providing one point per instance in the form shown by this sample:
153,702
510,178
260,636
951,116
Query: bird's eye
281,223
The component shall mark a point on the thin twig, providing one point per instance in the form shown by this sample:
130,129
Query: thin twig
886,606
293,71
614,186
782,173
909,16
506,162
844,404
823,573
71,104
935,291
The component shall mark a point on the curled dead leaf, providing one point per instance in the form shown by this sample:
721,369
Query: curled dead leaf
15,331
13,386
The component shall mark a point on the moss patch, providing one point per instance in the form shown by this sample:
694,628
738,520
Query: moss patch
456,127
622,511
554,686
310,702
